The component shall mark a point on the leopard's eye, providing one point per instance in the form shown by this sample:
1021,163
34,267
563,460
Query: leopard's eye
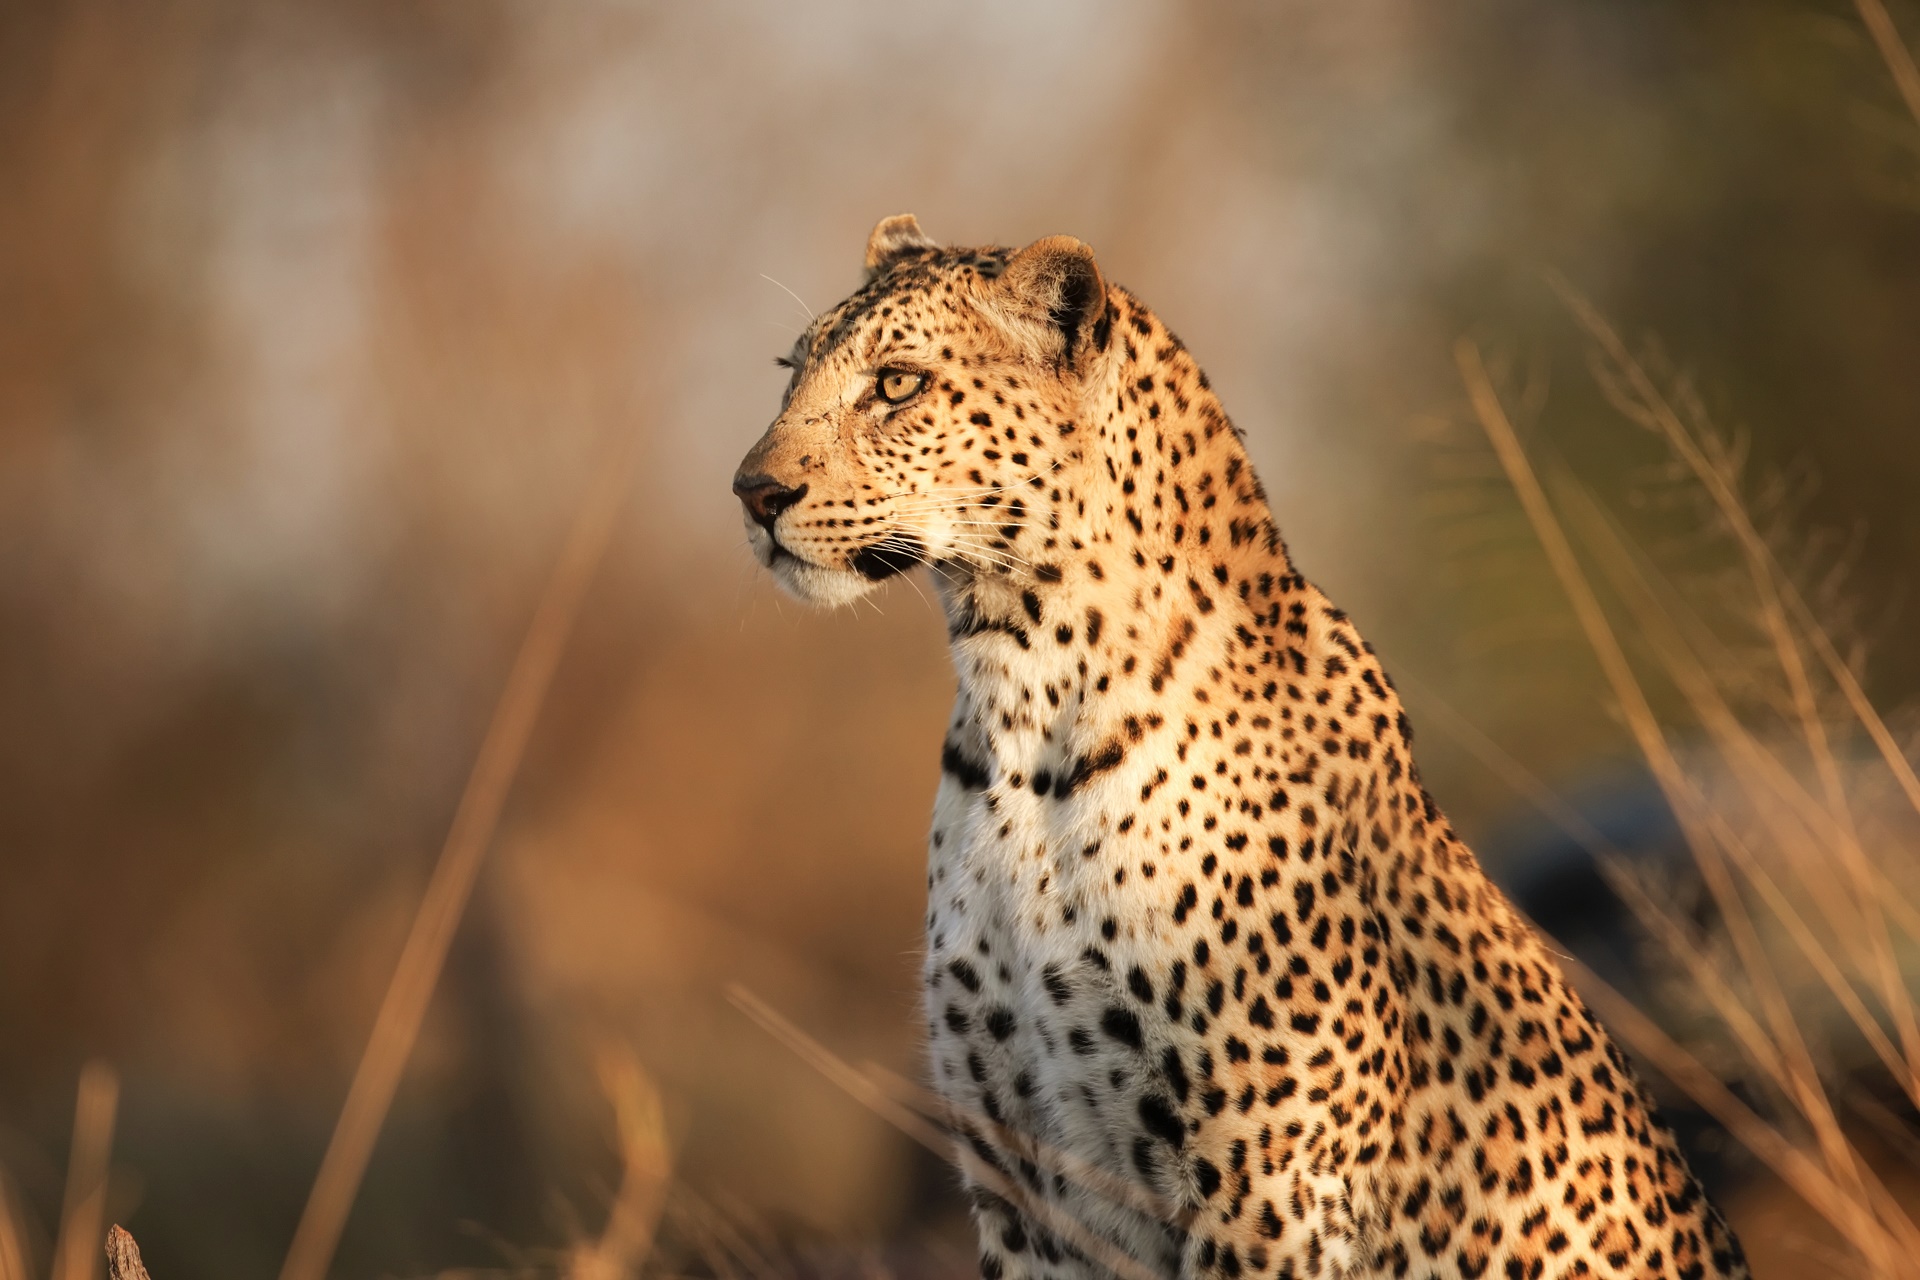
897,386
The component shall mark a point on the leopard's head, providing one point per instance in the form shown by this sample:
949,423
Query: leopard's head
937,416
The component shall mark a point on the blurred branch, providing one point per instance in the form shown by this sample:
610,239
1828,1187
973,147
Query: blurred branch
645,1165
397,1026
84,1207
13,1246
1899,59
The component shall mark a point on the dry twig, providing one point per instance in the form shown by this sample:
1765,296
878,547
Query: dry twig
123,1256
1899,59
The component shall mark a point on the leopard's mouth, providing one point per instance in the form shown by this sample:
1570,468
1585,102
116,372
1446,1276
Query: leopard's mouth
891,555
840,581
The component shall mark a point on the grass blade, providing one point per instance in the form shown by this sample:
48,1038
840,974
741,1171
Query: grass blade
397,1026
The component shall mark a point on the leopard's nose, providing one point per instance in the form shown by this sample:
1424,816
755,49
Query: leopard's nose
765,498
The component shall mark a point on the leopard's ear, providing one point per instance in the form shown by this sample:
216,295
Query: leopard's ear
893,239
1053,297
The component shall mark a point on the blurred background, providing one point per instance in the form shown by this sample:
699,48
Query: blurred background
317,320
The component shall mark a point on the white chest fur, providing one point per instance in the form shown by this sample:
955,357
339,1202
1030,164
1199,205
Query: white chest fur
1038,912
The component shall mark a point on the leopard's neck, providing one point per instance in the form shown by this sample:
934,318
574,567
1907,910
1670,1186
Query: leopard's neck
1152,575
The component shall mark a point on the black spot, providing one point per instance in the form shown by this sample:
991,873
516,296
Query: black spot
976,625
1121,1025
972,776
1176,1073
1103,329
1000,1022
1207,1176
1087,766
1157,1114
968,976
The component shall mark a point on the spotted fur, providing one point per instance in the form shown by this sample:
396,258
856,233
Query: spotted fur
1210,982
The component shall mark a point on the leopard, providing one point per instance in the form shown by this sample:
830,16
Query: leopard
1211,985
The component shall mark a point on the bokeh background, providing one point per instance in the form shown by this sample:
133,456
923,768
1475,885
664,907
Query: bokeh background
317,319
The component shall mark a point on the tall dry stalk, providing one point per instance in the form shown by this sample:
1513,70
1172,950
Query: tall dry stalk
13,1242
1893,51
646,1164
76,1255
402,1011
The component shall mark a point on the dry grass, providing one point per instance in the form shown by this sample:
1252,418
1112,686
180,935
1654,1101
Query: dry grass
646,1164
1767,845
397,1027
1812,910
77,1248
13,1244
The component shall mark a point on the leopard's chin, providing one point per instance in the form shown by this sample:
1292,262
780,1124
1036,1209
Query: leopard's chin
817,584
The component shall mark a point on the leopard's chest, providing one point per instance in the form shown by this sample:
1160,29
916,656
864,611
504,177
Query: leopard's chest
1040,1018
1014,918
